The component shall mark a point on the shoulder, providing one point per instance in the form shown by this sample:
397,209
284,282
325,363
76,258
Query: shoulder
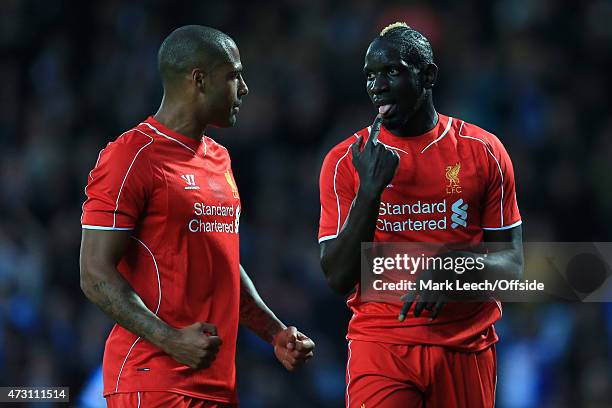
131,142
215,148
343,149
482,138
131,145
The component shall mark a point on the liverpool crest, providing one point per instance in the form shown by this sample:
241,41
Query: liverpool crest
452,175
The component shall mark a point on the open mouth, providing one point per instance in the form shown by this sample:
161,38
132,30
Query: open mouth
387,110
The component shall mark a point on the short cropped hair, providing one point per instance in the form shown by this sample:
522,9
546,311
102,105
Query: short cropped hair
189,47
414,47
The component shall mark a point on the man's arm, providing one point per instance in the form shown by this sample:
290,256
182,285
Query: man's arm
106,288
292,348
504,263
340,257
254,313
507,262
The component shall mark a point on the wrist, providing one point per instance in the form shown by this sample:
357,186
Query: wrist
275,331
369,194
163,337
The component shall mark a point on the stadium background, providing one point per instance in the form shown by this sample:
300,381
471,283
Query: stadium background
76,74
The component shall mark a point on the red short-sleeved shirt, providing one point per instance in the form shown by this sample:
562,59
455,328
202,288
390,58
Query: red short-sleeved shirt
178,197
453,182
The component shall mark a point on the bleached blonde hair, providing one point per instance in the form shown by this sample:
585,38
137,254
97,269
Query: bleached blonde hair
392,26
414,47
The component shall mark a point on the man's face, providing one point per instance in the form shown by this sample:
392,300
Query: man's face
225,89
392,83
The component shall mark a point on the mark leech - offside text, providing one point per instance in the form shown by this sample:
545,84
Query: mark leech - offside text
484,286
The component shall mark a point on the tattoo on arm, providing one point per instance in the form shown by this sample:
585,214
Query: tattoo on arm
116,298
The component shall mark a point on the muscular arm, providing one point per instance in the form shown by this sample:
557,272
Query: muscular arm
106,288
254,313
376,166
507,262
340,257
195,346
291,347
504,260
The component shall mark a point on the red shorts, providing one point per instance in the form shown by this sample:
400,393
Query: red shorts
159,399
380,375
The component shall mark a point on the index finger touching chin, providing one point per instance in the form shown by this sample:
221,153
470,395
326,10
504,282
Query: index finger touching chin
375,130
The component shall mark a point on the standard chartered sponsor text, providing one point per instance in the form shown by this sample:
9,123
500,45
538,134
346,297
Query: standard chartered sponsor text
228,224
437,220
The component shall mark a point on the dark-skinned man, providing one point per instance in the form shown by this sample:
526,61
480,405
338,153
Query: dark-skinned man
417,176
160,246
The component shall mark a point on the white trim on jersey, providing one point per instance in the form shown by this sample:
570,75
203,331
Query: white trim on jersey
501,173
448,126
126,175
138,399
499,306
97,227
159,290
96,165
348,374
156,310
327,238
392,147
215,142
173,139
122,365
335,191
384,144
516,224
97,161
349,213
91,177
495,386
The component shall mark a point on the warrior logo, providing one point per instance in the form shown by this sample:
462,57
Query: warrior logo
190,180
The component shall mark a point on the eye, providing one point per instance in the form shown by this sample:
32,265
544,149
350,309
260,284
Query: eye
394,71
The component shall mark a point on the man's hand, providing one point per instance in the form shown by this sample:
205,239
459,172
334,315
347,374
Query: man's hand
434,300
375,164
292,348
195,346
431,300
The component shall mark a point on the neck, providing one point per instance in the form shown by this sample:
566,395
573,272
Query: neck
422,121
180,117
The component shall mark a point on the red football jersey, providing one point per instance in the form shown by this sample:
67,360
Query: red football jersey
452,183
178,197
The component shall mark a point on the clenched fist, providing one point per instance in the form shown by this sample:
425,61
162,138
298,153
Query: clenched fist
195,346
292,348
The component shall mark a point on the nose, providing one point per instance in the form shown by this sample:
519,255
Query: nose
379,84
243,89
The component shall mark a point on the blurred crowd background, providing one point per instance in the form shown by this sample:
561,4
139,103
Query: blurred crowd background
77,74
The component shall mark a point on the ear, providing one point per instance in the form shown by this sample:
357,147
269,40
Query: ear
430,75
199,79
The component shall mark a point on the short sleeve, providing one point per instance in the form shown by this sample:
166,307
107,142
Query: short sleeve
118,186
337,191
500,205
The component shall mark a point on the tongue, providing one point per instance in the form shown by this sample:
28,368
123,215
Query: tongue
384,109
